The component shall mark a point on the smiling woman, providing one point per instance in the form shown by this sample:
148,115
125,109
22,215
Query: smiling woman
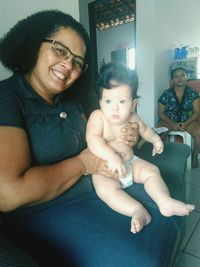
45,194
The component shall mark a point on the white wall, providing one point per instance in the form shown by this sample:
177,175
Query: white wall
11,11
145,58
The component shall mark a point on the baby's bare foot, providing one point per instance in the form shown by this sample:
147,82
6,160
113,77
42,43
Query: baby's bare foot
139,220
175,207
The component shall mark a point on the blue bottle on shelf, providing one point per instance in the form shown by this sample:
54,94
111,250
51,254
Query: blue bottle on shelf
183,52
177,51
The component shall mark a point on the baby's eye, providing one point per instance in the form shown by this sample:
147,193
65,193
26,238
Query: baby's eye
108,101
122,101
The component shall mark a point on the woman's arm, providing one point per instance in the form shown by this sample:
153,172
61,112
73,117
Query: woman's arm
195,114
22,184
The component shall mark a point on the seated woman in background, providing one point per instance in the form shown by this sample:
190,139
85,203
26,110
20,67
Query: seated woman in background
179,109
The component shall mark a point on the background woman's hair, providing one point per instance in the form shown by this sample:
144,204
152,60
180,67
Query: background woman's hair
119,74
175,70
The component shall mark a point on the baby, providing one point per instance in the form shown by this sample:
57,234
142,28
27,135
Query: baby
117,92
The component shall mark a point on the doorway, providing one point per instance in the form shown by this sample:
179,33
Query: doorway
107,18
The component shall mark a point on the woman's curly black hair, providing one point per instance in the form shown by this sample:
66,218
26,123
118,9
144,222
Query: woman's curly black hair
19,48
119,74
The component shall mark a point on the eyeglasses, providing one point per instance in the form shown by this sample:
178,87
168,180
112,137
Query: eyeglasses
63,52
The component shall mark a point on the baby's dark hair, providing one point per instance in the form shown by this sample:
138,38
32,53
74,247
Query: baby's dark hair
19,48
114,74
175,70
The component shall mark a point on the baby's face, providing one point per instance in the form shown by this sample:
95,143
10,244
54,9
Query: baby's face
117,104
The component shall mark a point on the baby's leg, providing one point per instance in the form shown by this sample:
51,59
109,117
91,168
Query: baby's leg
148,174
110,192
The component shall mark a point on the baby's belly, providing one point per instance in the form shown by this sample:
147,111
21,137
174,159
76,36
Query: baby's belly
121,148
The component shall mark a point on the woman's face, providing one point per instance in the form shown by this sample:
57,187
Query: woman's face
179,78
59,64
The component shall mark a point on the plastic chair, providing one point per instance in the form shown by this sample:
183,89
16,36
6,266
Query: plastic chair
187,139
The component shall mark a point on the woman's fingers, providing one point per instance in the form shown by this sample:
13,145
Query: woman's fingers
94,165
130,133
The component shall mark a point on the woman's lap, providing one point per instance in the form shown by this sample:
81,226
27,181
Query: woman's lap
192,128
84,232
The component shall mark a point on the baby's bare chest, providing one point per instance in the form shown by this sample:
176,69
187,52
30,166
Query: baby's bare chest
112,133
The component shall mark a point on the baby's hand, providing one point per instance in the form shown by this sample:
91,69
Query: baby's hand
157,148
115,164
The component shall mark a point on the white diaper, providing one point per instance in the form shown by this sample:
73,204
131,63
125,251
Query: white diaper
128,179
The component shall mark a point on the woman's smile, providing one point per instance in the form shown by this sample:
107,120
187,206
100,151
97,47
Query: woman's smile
60,76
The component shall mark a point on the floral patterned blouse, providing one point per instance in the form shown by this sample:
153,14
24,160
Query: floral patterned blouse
175,110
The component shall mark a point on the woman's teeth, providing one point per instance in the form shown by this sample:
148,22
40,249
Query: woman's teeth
59,75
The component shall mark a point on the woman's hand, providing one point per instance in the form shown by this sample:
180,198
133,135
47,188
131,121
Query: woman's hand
130,133
174,126
94,165
181,126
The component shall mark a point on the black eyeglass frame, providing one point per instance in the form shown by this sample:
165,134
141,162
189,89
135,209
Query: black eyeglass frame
85,65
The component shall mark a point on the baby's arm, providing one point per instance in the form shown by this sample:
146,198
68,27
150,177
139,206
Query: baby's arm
150,136
98,145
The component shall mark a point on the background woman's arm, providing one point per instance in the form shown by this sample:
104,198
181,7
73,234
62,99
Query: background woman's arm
196,112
